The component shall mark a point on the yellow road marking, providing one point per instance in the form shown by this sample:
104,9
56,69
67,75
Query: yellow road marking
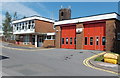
85,62
24,49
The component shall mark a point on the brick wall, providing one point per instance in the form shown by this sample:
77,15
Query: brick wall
79,37
110,35
49,43
43,26
58,37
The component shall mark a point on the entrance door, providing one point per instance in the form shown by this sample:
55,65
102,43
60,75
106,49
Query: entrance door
40,40
68,37
94,36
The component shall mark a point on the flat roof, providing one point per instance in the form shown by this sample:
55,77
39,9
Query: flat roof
33,18
112,15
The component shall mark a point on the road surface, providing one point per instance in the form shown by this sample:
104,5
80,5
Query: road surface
48,62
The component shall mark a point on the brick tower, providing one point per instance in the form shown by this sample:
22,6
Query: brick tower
64,13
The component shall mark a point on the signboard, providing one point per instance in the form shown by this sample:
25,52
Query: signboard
79,30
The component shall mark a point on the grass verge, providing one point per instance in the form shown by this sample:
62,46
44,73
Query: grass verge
100,58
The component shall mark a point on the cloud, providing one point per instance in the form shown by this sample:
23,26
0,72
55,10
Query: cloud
21,9
13,7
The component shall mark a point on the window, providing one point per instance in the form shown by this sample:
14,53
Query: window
62,40
70,40
97,40
17,28
62,13
49,37
29,22
66,40
20,26
103,40
91,40
75,41
23,26
86,41
53,36
32,21
28,26
26,38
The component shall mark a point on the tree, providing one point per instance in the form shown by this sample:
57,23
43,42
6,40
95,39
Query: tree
7,28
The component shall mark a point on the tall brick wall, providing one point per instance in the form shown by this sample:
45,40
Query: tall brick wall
112,29
79,37
58,37
110,35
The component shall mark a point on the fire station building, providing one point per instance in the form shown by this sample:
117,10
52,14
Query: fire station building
97,32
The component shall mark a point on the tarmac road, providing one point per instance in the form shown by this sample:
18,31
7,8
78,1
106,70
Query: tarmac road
48,62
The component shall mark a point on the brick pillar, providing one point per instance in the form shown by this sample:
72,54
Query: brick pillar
58,37
110,35
80,37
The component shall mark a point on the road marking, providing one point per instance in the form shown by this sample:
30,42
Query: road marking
85,62
25,49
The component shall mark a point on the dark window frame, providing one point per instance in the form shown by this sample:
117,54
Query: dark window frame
91,42
104,41
48,37
66,40
62,41
86,42
70,40
62,13
53,36
75,41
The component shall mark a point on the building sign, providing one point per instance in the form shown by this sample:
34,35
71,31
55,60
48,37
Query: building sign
118,36
79,30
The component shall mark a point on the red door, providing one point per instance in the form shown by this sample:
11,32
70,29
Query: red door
68,37
94,34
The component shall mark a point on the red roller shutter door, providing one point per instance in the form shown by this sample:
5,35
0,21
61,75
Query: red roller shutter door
95,36
68,35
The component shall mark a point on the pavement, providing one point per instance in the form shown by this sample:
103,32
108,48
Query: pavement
50,62
18,47
105,66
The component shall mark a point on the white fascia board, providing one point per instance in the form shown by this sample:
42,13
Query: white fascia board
24,32
32,18
51,33
118,17
92,18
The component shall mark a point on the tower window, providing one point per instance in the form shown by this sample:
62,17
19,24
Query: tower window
62,13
